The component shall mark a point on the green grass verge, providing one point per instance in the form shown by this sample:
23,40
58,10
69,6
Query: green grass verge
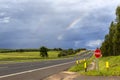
77,67
114,67
29,57
80,67
26,56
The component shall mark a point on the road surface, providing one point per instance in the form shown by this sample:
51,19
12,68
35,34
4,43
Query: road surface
8,71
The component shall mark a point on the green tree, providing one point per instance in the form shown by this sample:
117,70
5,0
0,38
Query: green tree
118,14
111,44
111,37
105,46
43,51
116,40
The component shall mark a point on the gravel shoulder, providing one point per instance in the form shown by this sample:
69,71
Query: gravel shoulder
65,75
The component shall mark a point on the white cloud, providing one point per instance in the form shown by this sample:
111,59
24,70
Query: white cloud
2,13
5,20
82,5
60,37
94,43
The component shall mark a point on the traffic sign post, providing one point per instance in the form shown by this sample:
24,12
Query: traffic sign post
97,64
97,54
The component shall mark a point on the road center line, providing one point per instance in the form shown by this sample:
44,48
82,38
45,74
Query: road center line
35,70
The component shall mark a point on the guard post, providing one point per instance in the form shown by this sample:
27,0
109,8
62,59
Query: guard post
107,65
77,62
85,66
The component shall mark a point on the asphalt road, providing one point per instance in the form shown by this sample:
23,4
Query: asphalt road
8,69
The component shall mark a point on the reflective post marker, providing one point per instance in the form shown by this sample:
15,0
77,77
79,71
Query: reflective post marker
107,65
77,62
85,66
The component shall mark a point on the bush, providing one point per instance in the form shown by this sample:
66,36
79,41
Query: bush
62,53
66,52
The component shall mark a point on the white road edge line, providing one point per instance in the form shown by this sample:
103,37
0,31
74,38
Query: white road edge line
34,70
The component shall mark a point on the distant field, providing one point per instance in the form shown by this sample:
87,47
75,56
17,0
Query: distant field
19,56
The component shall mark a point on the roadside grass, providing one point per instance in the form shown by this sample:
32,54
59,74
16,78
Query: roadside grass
29,57
114,67
77,67
26,56
80,67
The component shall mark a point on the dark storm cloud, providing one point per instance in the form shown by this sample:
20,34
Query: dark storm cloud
31,24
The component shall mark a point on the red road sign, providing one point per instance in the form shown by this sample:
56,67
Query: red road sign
97,53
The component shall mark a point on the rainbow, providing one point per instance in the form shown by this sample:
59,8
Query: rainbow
74,22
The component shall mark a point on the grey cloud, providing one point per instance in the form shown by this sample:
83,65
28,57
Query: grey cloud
37,23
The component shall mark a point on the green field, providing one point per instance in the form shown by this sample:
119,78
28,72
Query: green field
114,67
26,56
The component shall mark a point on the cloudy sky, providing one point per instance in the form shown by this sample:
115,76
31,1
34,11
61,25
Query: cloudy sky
55,23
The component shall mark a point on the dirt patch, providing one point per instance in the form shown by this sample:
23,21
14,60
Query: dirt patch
65,75
91,66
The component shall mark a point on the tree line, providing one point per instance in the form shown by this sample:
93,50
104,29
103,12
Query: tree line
27,50
18,50
111,44
63,52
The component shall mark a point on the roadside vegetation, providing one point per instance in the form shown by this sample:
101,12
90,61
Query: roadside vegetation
26,56
111,44
43,52
67,52
113,70
23,55
79,67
